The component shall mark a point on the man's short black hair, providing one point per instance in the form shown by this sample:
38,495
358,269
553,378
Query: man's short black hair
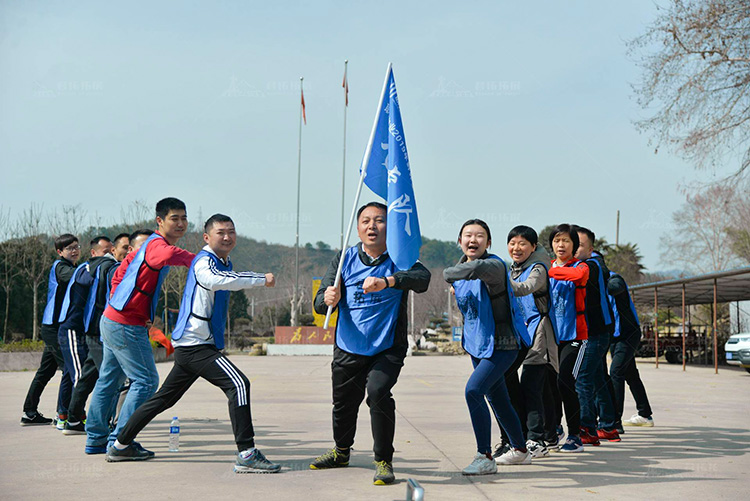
138,233
525,232
95,241
216,218
372,204
585,231
64,240
571,232
165,205
122,235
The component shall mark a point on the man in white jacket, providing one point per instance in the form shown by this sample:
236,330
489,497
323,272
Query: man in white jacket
198,336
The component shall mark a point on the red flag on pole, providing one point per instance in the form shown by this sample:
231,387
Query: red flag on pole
345,85
304,117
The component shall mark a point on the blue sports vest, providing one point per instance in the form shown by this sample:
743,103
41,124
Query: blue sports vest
218,320
367,322
49,310
616,314
474,301
603,301
563,307
126,288
527,305
66,299
88,310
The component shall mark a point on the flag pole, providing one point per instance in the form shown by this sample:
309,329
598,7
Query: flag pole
299,177
365,161
343,168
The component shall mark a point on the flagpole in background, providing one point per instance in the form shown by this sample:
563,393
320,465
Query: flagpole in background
345,85
365,161
299,177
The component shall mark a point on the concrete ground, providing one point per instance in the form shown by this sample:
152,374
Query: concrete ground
698,448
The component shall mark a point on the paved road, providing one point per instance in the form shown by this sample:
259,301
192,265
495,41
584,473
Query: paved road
698,449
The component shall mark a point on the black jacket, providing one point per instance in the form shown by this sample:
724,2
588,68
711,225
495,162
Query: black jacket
595,296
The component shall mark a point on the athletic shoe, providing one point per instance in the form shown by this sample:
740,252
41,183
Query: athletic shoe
560,434
74,429
514,456
638,420
96,449
619,429
331,459
133,452
501,449
552,445
610,435
383,473
482,465
60,421
572,444
138,446
589,438
253,461
537,449
34,419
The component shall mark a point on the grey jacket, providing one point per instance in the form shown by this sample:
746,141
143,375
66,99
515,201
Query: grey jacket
492,273
544,349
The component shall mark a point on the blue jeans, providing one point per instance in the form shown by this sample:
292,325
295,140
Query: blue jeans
591,386
488,380
127,353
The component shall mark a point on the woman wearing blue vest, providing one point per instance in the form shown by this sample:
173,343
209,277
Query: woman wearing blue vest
370,343
480,283
531,287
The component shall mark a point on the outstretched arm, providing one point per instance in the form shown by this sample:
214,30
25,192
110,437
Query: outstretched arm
210,277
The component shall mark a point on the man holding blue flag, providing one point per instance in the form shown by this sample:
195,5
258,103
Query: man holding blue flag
371,331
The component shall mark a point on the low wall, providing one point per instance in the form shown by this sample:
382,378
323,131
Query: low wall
29,360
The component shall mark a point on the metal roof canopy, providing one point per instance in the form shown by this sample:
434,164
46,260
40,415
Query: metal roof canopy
731,285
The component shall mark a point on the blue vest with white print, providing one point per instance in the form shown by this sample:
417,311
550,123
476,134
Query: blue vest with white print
217,320
49,311
124,291
528,308
367,322
563,307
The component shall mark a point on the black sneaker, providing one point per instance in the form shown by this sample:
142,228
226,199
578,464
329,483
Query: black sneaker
500,450
129,453
74,429
34,419
331,459
383,473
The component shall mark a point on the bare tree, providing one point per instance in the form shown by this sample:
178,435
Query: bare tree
135,213
10,269
69,219
36,257
698,241
695,59
739,232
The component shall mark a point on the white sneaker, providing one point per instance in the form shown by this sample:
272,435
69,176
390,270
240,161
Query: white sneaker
537,449
514,456
638,420
482,465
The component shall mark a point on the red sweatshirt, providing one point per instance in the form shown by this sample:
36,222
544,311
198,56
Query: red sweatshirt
158,254
577,272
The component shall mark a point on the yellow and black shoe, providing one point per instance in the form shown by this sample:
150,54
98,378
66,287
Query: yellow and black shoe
383,473
335,458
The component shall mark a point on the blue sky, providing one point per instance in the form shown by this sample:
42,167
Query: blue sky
518,113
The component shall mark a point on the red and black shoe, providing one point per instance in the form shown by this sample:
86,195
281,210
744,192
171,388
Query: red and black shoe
588,437
611,435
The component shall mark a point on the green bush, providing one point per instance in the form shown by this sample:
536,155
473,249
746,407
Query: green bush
20,346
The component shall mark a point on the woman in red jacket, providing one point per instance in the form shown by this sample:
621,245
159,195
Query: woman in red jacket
568,278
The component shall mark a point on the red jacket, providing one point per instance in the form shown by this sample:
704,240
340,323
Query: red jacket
577,272
158,254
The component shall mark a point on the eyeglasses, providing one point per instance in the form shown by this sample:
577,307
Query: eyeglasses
73,247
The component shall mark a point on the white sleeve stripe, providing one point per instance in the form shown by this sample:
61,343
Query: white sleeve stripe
233,274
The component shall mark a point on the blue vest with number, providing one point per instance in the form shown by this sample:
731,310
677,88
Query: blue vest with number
528,308
616,313
217,321
67,298
563,308
125,289
367,322
49,311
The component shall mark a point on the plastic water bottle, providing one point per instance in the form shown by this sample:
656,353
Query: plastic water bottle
174,435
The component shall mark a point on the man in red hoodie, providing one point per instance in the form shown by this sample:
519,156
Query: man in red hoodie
127,350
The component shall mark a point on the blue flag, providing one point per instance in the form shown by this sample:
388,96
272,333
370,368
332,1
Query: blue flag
388,175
